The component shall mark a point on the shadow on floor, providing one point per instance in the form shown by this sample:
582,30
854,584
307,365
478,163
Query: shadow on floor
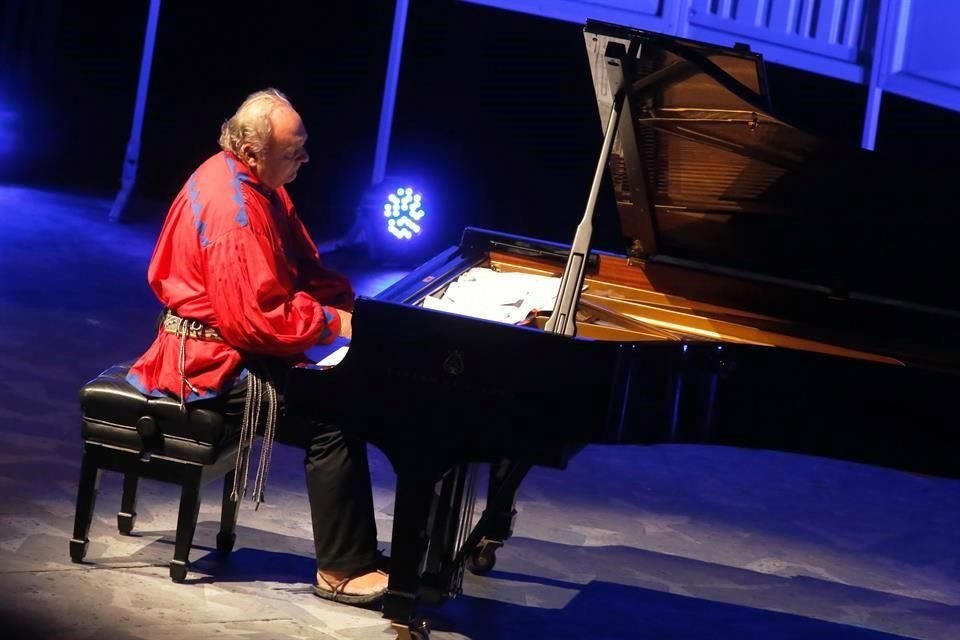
602,610
555,590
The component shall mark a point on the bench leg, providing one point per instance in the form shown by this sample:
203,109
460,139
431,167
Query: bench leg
228,517
128,505
86,501
186,526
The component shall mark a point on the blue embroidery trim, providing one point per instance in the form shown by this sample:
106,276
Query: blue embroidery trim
241,216
136,383
328,318
193,192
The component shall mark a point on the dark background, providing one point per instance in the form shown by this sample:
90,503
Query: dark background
495,113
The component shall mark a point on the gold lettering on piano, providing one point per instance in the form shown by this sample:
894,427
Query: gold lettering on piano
446,383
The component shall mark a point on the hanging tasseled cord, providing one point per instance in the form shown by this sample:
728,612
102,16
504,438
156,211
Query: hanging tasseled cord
269,433
182,364
248,431
260,391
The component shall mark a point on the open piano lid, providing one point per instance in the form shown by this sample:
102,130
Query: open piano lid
704,174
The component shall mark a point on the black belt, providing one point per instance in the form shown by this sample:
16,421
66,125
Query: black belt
176,325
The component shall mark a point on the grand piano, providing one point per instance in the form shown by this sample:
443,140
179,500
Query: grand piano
776,292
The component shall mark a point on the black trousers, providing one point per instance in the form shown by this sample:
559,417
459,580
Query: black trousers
338,480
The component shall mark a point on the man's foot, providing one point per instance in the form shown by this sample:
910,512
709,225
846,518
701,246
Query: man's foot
361,587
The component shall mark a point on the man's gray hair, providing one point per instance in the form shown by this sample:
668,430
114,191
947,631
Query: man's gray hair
250,125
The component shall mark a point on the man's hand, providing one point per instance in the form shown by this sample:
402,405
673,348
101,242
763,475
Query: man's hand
346,324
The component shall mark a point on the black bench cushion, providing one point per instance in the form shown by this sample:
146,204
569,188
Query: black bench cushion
112,409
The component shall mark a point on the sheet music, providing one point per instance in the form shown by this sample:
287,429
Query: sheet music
491,295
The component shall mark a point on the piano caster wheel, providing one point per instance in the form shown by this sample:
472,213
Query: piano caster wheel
178,571
416,631
483,558
125,522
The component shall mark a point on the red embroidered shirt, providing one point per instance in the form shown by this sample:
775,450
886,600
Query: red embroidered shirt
234,255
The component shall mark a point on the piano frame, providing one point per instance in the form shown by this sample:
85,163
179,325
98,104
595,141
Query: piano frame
670,349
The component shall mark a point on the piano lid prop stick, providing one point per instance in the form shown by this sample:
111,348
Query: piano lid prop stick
563,318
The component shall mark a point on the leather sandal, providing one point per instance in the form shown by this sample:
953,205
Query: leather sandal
334,591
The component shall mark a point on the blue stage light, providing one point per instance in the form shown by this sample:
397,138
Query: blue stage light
403,211
391,218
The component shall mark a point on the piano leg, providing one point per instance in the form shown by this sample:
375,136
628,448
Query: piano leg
496,523
413,511
426,563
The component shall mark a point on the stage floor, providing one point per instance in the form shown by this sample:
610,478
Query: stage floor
629,542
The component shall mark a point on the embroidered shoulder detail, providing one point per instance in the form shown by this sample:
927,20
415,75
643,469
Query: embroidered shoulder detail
241,217
193,193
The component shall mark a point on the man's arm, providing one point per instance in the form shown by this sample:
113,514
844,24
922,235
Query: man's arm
258,308
326,285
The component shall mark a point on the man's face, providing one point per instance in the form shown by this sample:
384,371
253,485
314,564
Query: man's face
285,151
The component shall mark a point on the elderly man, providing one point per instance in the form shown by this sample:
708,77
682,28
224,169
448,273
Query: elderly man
245,295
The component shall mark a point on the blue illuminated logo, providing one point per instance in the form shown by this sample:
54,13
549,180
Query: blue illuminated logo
403,212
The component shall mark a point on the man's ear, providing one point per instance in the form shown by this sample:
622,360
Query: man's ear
247,155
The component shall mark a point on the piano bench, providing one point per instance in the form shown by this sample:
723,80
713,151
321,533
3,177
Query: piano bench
127,432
